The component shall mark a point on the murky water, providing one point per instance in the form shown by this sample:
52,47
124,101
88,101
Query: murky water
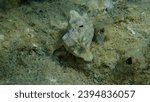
32,50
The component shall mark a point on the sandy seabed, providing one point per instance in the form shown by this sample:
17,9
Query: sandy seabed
31,51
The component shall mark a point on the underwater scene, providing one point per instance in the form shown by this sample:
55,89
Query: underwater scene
75,42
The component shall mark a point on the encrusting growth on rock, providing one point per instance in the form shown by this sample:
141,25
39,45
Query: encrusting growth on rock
79,37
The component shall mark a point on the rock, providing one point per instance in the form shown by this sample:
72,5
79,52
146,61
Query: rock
109,5
93,5
1,37
79,37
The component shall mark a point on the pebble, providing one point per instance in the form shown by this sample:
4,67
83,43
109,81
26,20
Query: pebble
1,37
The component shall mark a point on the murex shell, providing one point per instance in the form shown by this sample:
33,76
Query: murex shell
79,37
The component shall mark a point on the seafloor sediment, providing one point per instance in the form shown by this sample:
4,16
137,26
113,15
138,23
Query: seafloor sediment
32,51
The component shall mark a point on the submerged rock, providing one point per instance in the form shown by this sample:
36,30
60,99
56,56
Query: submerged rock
79,37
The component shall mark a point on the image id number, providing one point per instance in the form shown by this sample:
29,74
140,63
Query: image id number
106,94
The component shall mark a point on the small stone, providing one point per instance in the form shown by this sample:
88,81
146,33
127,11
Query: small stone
79,37
1,37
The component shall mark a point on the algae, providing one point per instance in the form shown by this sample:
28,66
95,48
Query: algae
31,50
